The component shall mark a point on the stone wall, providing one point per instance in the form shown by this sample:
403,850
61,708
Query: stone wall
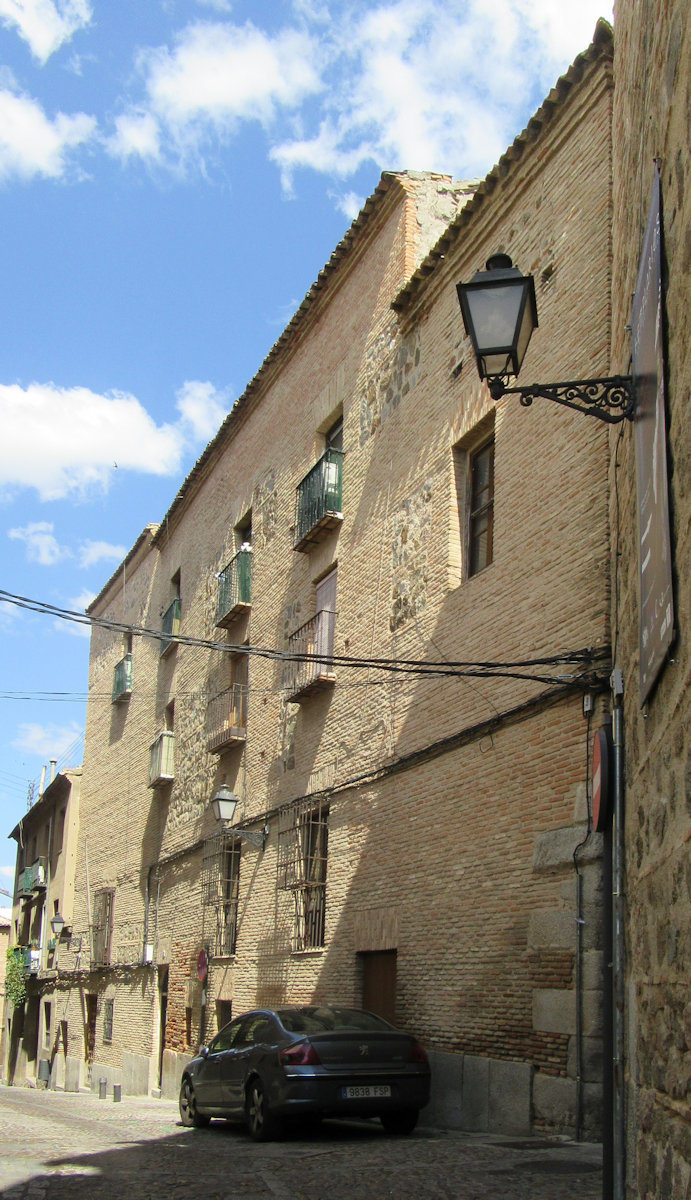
651,121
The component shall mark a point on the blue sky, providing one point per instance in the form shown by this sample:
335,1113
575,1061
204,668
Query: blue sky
173,176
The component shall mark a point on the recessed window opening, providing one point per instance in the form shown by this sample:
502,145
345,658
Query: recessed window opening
243,531
481,508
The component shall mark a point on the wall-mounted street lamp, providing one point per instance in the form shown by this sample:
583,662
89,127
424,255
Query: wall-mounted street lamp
223,807
59,925
500,313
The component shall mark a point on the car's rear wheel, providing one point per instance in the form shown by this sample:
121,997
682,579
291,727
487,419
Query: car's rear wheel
189,1115
261,1123
401,1122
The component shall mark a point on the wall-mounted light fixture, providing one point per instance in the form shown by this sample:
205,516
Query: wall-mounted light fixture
59,925
500,313
223,806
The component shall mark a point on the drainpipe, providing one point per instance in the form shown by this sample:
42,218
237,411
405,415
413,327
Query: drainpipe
579,1006
618,939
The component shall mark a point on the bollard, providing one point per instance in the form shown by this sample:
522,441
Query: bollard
102,1085
117,1092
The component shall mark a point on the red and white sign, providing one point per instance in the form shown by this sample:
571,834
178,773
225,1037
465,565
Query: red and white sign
602,772
202,966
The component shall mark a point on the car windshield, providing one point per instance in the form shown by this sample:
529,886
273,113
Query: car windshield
324,1019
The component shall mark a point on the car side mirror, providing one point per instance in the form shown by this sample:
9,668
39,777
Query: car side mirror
203,1051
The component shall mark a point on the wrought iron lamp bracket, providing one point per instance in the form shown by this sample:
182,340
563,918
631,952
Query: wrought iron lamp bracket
254,837
611,400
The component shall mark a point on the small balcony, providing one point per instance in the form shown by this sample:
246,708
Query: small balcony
235,588
162,759
31,960
32,879
318,501
226,719
170,626
313,642
122,679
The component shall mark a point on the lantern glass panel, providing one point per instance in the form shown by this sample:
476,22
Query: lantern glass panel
494,312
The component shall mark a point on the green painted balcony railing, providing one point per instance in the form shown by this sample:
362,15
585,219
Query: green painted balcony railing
319,500
170,625
32,879
235,587
122,679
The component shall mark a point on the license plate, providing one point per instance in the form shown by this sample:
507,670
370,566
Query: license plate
367,1092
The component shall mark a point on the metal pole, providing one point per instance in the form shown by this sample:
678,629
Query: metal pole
618,948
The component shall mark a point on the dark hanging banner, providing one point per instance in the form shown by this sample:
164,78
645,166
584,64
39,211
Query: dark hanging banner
655,547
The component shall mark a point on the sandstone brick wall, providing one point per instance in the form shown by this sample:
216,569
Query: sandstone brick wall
651,121
456,805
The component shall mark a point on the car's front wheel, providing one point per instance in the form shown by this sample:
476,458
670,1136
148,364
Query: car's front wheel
189,1115
401,1122
261,1123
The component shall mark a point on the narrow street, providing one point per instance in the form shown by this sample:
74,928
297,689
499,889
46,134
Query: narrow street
64,1146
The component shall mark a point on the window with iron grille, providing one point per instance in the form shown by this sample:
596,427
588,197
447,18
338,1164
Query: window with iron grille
220,890
302,862
108,1020
102,927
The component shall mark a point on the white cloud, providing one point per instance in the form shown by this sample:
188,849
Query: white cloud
428,85
45,24
137,134
77,604
214,77
220,72
223,6
417,84
91,553
46,741
64,441
202,408
349,204
31,143
41,544
70,440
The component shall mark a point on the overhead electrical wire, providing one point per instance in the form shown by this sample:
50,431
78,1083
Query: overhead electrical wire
519,670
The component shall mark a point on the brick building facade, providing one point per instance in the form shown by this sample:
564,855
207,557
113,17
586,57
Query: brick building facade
379,599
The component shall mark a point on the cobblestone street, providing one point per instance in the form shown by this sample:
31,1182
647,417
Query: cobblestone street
59,1145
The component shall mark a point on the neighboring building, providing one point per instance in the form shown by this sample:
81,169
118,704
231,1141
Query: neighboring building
5,927
44,888
651,122
364,512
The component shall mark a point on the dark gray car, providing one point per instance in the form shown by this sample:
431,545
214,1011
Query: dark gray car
307,1061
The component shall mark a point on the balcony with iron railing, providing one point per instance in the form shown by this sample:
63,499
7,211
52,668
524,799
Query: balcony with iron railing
162,759
31,960
319,500
235,587
312,644
122,679
170,625
32,879
226,719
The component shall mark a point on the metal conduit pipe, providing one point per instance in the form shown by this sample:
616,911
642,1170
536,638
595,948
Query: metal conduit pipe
618,947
